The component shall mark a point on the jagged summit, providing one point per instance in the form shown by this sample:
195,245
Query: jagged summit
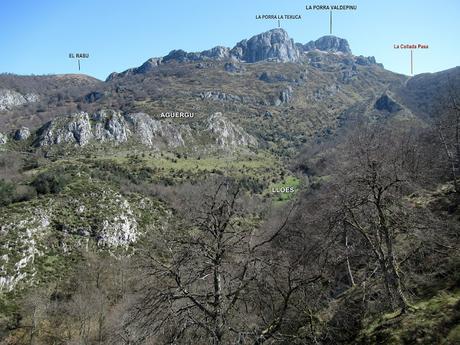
272,45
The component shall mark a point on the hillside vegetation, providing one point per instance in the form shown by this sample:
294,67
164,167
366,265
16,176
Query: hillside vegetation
312,198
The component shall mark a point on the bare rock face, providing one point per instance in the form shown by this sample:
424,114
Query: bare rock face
146,67
3,139
25,232
111,126
152,132
21,134
73,129
286,95
329,44
227,134
271,45
10,99
366,60
81,129
216,53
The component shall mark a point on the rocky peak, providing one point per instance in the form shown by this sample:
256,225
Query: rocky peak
329,44
271,45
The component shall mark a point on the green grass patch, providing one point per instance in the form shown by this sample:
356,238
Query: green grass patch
289,183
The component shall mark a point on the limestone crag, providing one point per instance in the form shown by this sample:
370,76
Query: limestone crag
108,126
21,134
285,95
81,129
149,130
327,43
115,225
73,129
271,45
274,45
227,134
26,233
3,139
10,99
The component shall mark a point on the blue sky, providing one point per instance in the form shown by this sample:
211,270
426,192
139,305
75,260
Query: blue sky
37,36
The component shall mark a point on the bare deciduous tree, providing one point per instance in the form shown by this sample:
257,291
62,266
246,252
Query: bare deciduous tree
372,181
212,279
448,128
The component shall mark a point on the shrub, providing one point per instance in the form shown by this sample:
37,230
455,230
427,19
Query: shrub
24,193
7,192
50,182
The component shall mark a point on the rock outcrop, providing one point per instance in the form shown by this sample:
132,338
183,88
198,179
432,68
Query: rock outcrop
146,67
270,77
10,99
274,45
385,103
81,129
366,61
328,44
178,55
285,95
220,96
93,97
97,214
26,234
3,139
75,129
271,45
149,131
110,126
232,67
21,134
226,134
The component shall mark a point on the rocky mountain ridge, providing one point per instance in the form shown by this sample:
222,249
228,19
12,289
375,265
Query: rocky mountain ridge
282,102
81,129
272,45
